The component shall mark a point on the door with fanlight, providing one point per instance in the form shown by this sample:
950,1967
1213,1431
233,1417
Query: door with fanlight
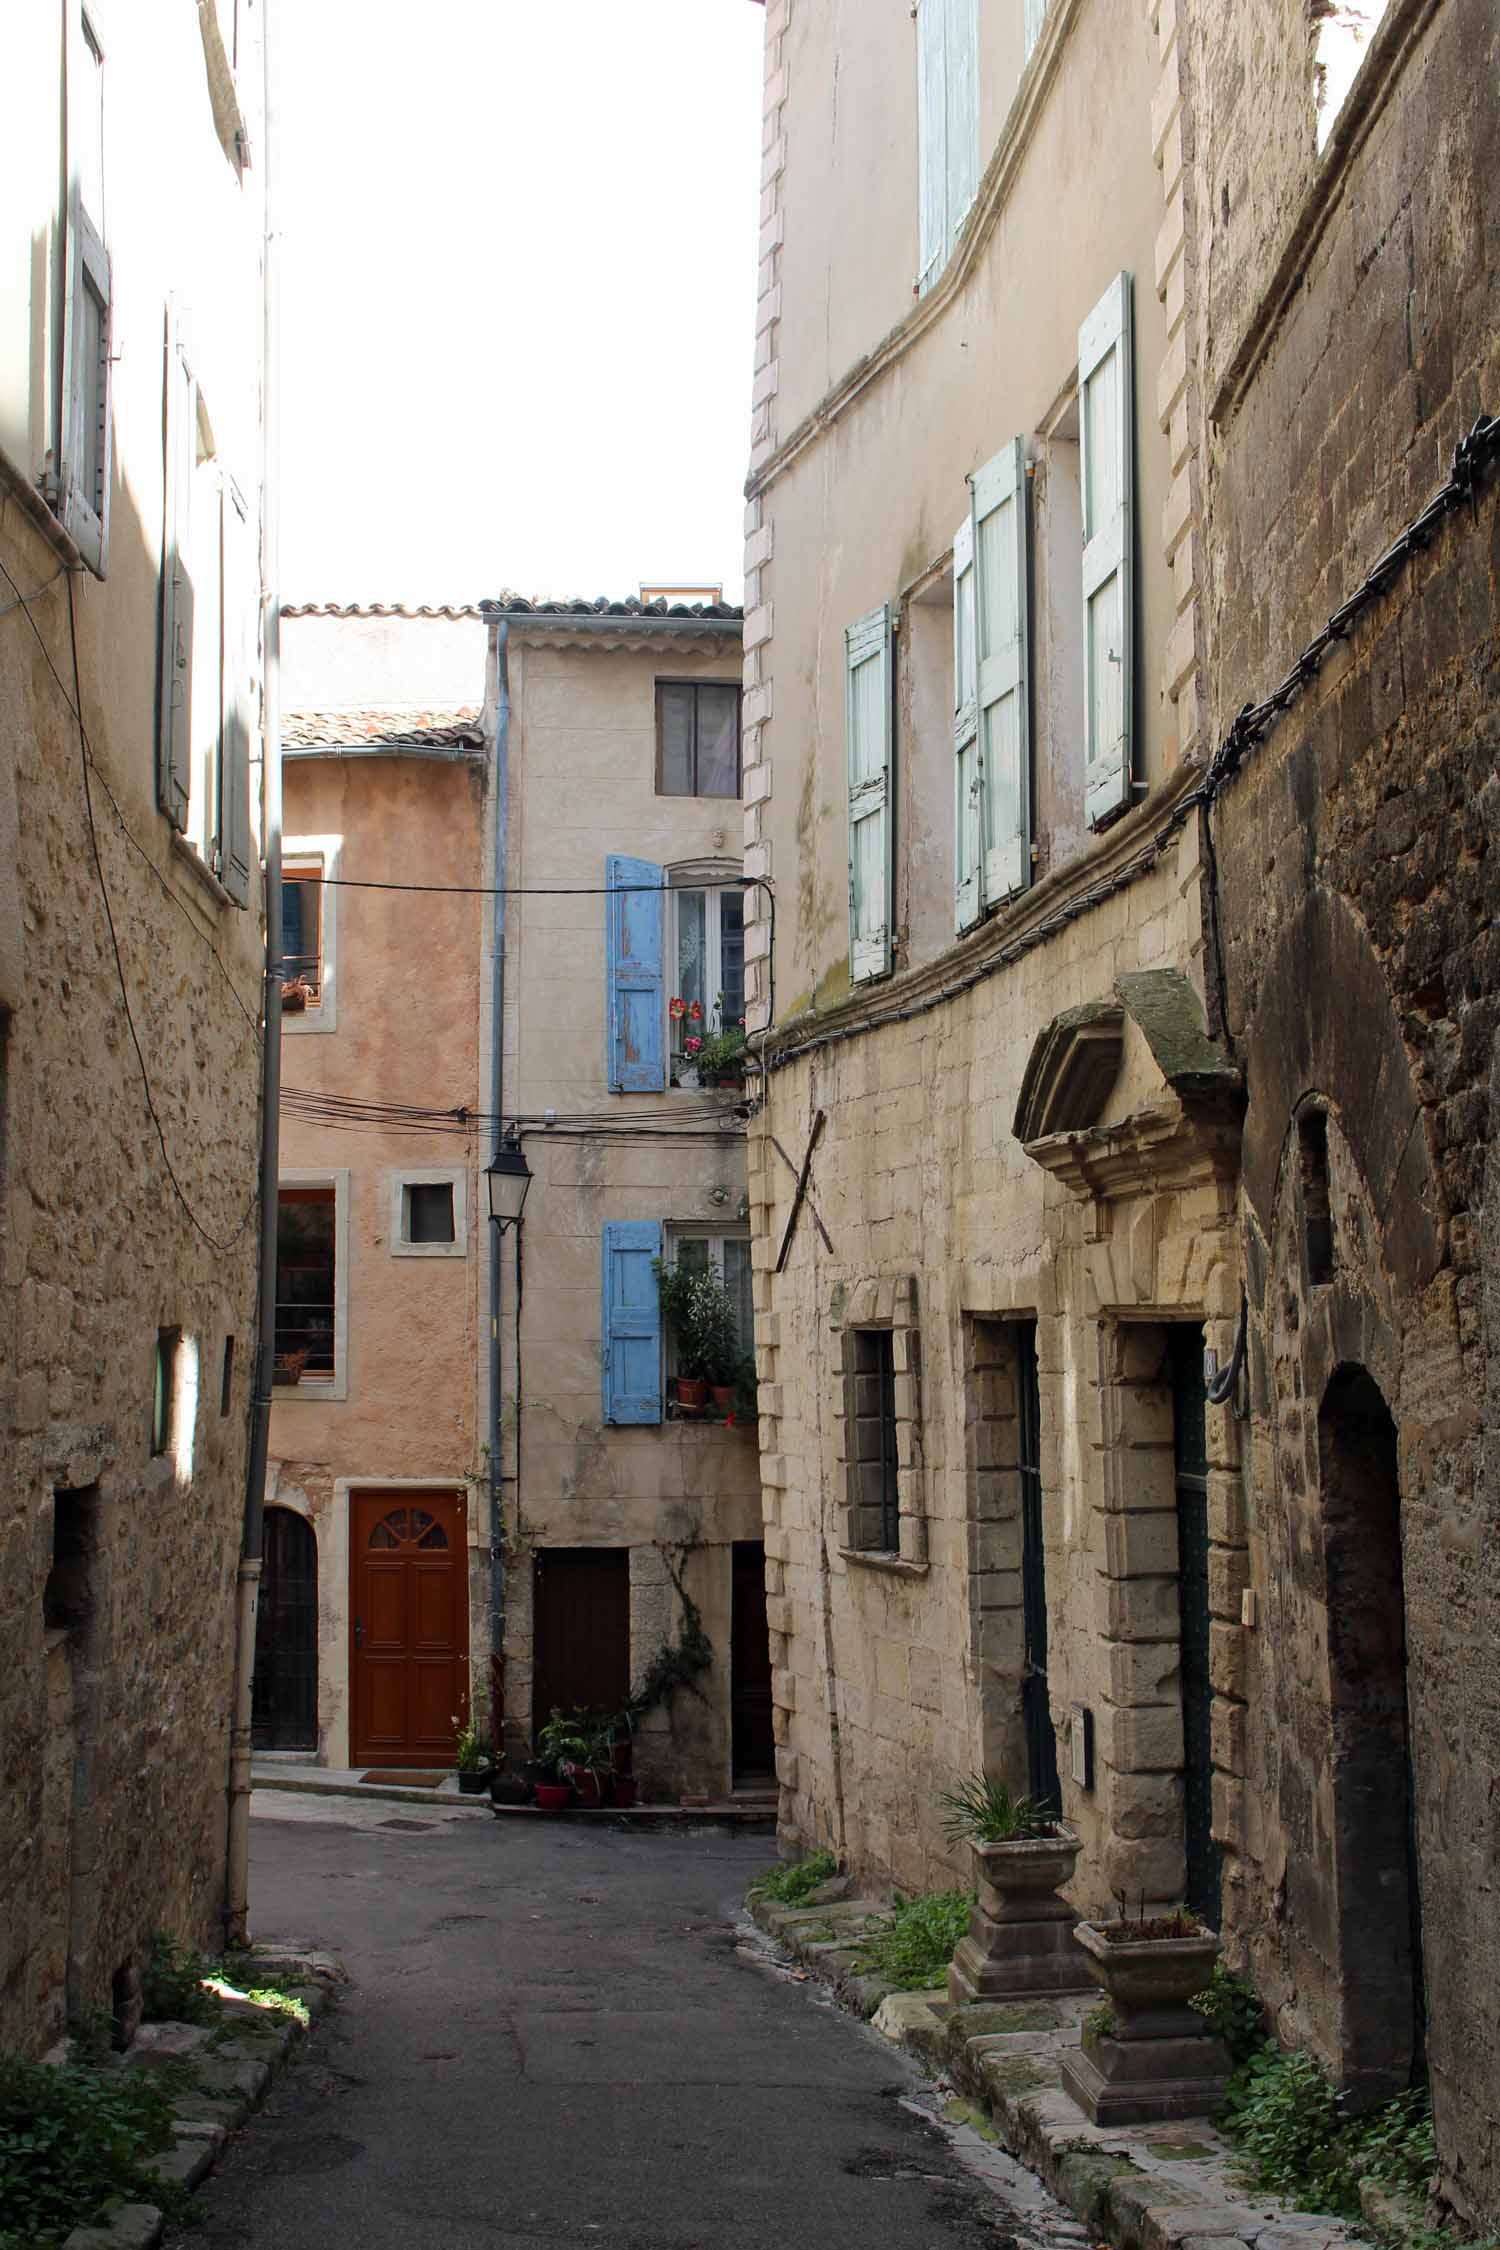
408,1611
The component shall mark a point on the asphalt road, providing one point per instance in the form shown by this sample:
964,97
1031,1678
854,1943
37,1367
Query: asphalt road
555,2034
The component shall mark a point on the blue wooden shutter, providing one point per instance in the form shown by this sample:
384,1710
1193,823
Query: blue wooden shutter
635,1001
968,778
1000,632
868,722
1107,428
632,1321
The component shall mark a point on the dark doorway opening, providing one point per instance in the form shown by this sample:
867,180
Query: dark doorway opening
753,1749
1036,1700
1190,1459
1379,1899
284,1691
581,1623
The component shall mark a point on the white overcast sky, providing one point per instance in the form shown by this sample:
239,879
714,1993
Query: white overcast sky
518,281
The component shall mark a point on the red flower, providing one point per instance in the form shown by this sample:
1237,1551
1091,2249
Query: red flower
676,1009
695,1012
729,1419
691,1046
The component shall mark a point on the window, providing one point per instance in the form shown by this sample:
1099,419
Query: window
68,1596
868,721
1106,402
726,1255
83,465
947,127
872,1442
708,960
307,1281
697,738
429,1213
210,598
991,688
164,1391
226,1379
1317,1204
302,926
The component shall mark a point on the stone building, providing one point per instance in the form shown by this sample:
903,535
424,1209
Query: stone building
993,1482
598,768
131,968
1348,341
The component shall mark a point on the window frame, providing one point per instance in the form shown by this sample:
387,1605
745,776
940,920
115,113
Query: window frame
317,854
713,797
716,1233
681,883
886,1305
86,270
406,1176
335,1386
948,96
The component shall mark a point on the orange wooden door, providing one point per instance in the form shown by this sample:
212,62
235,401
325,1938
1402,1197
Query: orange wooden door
409,1604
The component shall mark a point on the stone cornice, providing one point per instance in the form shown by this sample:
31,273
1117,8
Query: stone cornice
1168,1145
994,188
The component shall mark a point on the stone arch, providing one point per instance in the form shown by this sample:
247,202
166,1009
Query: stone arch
1324,1019
1377,1905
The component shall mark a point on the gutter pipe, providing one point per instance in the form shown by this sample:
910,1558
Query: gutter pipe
497,1110
247,1590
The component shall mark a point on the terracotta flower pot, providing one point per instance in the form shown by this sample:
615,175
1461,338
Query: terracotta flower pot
692,1393
723,1396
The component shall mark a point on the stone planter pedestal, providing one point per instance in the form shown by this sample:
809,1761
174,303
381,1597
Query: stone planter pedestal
1161,2060
1020,1936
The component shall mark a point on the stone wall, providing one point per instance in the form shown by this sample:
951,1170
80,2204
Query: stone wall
1356,850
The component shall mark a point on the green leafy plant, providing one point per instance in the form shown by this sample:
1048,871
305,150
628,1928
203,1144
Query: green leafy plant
472,1738
561,1742
700,1313
1099,2023
1132,1929
1293,2140
913,1952
72,2142
676,1664
792,1884
172,1986
983,1811
722,1054
1233,2011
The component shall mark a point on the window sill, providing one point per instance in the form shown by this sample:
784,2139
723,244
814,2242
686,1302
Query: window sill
429,1250
40,515
893,1565
312,1394
188,856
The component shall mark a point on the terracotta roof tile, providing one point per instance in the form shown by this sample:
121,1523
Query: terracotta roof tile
449,726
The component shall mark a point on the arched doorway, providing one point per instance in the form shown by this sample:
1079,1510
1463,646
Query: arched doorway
1373,1798
284,1693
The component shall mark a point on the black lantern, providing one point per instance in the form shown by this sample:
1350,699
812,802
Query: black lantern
507,1176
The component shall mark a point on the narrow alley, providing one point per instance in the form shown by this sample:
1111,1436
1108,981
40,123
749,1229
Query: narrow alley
562,2035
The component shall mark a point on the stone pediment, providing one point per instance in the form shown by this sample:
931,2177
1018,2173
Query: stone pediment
1189,1133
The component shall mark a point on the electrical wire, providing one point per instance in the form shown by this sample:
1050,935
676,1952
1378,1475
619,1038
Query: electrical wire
220,1245
24,601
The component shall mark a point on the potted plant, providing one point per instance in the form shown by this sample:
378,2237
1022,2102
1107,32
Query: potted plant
1020,1930
288,1367
295,994
700,1313
559,1746
720,1058
1155,2056
689,1014
472,1755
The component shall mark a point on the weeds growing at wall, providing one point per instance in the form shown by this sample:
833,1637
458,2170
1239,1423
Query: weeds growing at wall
73,2141
793,1884
172,1986
914,1951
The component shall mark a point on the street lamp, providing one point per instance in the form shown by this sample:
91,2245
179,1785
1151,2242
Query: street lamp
507,1178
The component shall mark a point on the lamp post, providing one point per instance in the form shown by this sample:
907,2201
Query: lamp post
507,1178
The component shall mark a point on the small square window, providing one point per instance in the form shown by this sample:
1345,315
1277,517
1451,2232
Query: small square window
428,1211
697,738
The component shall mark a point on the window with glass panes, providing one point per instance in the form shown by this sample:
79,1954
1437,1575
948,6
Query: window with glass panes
726,1254
708,964
305,1276
697,738
302,926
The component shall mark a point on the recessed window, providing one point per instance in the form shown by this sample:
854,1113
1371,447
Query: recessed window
727,1257
429,1211
164,1390
306,1281
226,1379
1317,1206
697,738
68,1596
708,967
872,1442
302,934
429,1214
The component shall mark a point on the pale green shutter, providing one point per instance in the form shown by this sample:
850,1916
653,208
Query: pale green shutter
868,726
932,141
1035,11
968,776
241,596
1107,426
1000,614
961,58
175,677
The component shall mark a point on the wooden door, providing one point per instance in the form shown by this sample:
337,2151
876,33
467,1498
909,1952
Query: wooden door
1190,1445
284,1691
752,1745
581,1630
1036,1697
409,1654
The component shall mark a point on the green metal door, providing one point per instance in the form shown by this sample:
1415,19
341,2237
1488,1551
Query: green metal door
1036,1703
1190,1445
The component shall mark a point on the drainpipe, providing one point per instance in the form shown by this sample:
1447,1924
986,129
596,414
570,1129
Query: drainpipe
497,1104
247,1589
